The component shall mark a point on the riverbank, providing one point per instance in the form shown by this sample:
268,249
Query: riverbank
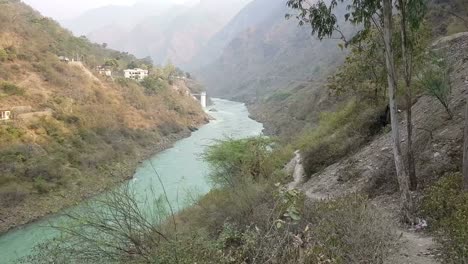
38,206
180,170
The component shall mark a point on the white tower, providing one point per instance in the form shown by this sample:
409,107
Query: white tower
203,99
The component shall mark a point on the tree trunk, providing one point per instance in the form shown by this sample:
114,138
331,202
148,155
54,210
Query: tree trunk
465,147
403,180
406,56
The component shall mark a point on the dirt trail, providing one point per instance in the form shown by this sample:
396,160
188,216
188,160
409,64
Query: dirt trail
414,248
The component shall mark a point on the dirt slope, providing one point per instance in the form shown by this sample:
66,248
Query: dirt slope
438,142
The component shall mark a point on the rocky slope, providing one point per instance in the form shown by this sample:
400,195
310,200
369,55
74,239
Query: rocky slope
370,170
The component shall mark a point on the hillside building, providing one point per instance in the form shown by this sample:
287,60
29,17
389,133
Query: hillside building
64,59
104,71
136,74
5,115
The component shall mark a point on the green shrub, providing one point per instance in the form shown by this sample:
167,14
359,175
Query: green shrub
154,85
232,160
11,89
3,55
338,134
436,81
42,186
10,134
446,207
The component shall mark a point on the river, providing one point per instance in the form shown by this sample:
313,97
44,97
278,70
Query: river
181,169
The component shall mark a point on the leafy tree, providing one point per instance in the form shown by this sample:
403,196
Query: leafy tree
153,84
132,65
236,160
367,13
436,82
168,71
363,74
148,60
111,63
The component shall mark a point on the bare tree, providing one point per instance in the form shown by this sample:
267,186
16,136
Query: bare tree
120,226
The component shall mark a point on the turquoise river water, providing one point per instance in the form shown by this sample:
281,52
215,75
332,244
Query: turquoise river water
181,170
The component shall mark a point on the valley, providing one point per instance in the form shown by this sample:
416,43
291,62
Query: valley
340,135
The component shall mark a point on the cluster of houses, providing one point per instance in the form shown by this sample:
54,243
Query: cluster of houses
134,74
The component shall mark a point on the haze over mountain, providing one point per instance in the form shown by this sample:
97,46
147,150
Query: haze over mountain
116,16
162,30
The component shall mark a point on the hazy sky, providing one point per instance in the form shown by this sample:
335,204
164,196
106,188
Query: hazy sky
65,9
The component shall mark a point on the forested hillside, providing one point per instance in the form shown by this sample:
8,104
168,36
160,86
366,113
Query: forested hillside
74,132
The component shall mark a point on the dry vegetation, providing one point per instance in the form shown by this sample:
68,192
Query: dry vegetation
248,219
71,130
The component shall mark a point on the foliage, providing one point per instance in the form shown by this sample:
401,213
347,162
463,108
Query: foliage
113,63
255,222
3,55
154,85
132,65
337,134
11,89
446,206
234,160
436,82
363,73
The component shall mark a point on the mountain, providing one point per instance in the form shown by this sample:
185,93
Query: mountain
167,33
267,53
122,17
251,15
272,64
72,132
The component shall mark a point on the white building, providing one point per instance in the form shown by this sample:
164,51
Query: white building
136,74
64,59
5,115
203,99
104,71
